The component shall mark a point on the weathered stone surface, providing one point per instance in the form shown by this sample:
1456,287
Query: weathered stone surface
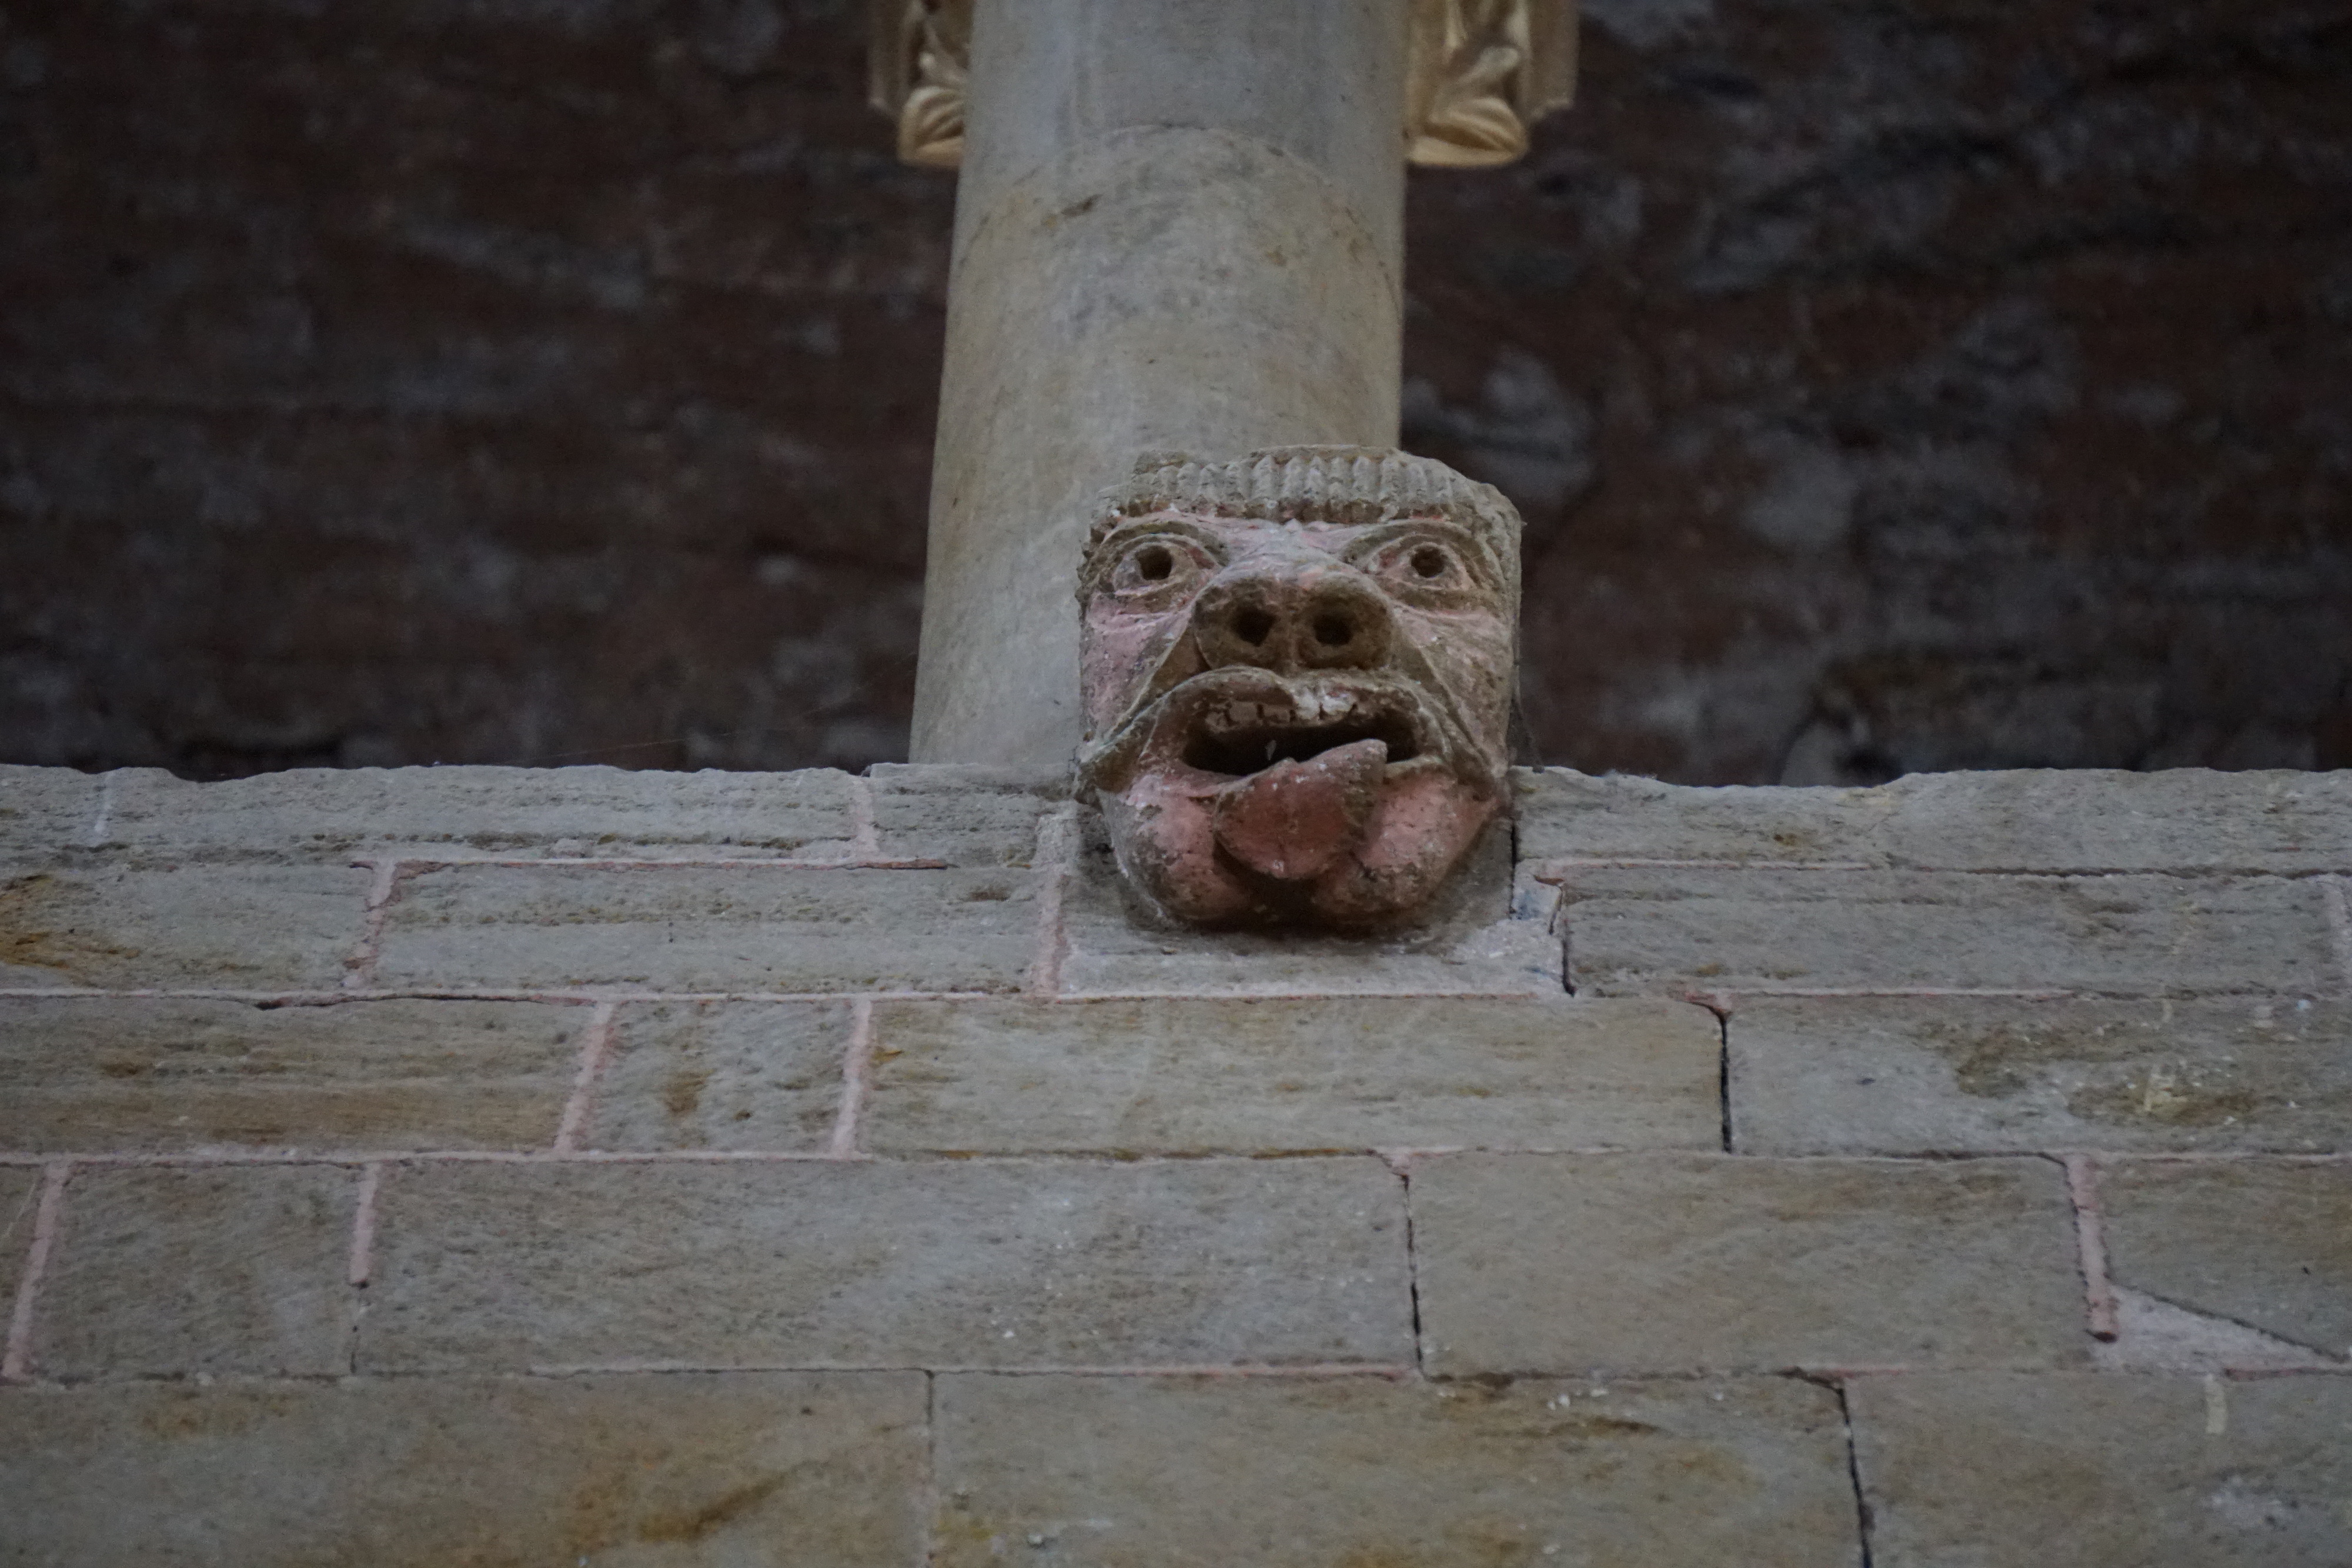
964,815
2188,819
20,1197
1283,1473
1567,815
1679,1263
2106,1471
103,1073
241,928
1677,930
216,1269
471,812
690,928
1905,1075
1466,943
701,1471
722,1075
1194,1075
1010,1264
2085,820
43,812
2265,1243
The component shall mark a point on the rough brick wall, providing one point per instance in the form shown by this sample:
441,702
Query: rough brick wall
472,1166
1889,387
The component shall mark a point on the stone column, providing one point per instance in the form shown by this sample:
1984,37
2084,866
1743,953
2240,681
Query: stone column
1178,227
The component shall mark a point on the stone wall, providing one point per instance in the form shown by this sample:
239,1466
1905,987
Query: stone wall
471,1166
1890,387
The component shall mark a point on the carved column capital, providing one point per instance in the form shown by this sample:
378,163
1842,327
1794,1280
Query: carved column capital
1481,73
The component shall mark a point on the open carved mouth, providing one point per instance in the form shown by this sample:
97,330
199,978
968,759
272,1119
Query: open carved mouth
1245,733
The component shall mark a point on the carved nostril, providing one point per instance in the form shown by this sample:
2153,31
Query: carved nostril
1333,631
1252,626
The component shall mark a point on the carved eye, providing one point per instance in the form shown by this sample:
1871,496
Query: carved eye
1156,565
1423,565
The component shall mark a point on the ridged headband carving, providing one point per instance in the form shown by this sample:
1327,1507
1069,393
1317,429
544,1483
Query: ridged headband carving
1347,485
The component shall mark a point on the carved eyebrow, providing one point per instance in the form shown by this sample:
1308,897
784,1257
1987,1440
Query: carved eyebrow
1134,528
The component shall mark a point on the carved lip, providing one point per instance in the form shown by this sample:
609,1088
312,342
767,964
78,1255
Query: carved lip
1229,724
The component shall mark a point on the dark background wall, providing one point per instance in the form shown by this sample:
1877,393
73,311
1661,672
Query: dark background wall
1889,385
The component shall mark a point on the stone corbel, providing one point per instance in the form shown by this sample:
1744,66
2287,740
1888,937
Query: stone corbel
1481,73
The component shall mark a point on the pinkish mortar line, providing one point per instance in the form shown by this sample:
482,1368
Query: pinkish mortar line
362,1260
2339,922
359,969
1056,847
856,1079
2090,1233
104,821
1323,1370
864,836
596,1051
1554,870
17,1361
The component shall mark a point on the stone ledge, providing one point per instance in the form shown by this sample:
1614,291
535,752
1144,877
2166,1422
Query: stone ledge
2047,820
470,812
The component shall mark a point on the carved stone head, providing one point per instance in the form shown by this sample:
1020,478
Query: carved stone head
1296,669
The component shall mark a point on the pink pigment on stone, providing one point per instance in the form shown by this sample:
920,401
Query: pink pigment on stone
1296,672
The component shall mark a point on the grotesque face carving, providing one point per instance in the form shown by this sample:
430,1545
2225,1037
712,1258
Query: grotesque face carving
1296,672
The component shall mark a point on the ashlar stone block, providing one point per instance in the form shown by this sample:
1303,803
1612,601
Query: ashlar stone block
1744,930
1567,815
309,814
2267,1243
217,927
111,1074
722,1075
731,1470
1293,1473
1634,1263
1203,1075
178,1271
706,929
44,811
1909,1075
2071,820
2106,1471
966,815
1010,1263
2186,818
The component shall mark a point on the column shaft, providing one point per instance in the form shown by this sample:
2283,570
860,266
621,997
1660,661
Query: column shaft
1178,226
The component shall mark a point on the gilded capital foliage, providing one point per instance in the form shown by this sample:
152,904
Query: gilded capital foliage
1480,73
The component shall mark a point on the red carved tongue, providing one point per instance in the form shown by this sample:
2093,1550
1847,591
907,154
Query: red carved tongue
1292,820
